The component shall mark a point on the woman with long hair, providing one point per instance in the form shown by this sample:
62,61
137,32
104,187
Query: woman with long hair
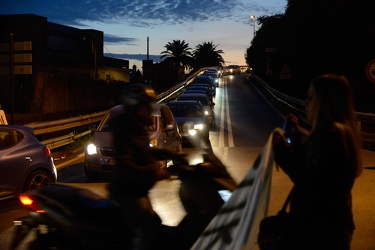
323,168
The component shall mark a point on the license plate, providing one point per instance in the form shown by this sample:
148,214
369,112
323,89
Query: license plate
110,162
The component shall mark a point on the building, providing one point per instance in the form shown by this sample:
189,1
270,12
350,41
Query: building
41,49
59,48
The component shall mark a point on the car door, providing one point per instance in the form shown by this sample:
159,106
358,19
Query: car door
170,136
14,160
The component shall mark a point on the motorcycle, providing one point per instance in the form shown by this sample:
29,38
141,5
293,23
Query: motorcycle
68,217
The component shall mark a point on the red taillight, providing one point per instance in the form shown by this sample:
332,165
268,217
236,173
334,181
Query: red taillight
28,202
47,151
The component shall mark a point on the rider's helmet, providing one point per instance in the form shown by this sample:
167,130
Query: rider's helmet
137,100
135,95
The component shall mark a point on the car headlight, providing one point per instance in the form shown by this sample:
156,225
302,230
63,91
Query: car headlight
192,132
199,126
91,149
206,113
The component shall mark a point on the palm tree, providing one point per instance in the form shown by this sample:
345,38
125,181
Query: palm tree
206,55
177,53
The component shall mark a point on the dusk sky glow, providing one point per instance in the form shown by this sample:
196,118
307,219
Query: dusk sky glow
127,24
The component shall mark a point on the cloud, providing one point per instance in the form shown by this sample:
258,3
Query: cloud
126,22
139,57
112,39
134,12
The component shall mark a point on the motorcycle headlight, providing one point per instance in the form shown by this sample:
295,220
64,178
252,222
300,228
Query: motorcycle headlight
91,149
153,143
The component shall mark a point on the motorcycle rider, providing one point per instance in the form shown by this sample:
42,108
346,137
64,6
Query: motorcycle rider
137,168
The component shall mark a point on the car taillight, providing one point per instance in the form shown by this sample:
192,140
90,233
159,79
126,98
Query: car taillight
28,202
47,151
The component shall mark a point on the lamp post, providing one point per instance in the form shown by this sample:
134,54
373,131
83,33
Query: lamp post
253,20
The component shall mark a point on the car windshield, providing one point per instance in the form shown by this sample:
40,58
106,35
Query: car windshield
202,80
153,127
202,99
105,125
186,110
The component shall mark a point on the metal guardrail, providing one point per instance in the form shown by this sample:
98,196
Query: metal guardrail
366,120
65,124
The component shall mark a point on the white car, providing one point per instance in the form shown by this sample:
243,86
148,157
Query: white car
192,122
202,98
99,155
233,70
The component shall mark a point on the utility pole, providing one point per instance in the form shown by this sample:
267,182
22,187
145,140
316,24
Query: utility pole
253,19
147,49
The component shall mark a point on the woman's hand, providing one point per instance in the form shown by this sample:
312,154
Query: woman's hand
277,138
291,125
292,119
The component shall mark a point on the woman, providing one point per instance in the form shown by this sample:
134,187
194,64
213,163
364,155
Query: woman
323,168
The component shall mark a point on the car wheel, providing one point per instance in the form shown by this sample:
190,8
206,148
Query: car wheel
38,179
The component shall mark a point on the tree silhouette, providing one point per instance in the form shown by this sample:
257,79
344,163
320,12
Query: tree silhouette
177,53
207,55
314,37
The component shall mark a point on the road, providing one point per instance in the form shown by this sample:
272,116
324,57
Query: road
242,124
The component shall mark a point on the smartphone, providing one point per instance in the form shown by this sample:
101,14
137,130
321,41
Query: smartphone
290,130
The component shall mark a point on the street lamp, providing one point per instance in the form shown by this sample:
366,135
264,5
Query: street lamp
253,20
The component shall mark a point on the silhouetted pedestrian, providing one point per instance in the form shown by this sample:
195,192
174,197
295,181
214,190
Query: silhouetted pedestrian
323,168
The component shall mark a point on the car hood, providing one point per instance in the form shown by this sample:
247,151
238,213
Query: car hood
183,120
106,140
102,139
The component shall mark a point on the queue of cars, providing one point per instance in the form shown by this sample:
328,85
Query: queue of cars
28,164
175,124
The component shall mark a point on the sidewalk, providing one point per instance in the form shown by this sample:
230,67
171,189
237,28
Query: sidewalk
364,205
